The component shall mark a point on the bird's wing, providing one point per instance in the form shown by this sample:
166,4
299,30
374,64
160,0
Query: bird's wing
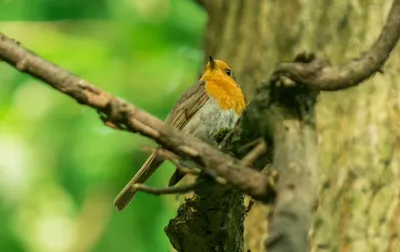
189,103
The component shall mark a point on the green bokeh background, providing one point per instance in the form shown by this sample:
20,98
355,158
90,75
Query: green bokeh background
60,167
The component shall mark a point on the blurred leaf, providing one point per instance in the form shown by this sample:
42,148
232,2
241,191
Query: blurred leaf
145,55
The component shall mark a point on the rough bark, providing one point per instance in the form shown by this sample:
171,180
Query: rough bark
358,128
207,223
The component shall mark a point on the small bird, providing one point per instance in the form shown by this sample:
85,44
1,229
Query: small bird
213,104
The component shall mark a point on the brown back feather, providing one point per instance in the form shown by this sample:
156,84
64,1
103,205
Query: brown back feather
189,103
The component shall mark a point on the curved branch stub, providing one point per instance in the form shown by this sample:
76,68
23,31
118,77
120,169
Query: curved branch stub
320,75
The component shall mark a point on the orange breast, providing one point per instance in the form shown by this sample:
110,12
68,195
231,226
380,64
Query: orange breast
227,94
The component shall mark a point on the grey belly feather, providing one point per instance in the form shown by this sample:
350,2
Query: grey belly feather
206,123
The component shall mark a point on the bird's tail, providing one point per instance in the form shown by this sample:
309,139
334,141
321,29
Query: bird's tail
175,178
148,168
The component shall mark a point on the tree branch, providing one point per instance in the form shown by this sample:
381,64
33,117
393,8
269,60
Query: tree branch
171,158
291,127
319,74
168,190
133,119
255,154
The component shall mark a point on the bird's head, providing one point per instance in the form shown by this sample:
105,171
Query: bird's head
217,69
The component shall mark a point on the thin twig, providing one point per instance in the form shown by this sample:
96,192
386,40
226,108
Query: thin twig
168,190
249,144
249,160
249,206
189,171
167,155
254,154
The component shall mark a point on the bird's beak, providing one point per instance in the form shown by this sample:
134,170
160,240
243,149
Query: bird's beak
211,61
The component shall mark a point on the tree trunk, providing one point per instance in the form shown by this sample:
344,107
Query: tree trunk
359,131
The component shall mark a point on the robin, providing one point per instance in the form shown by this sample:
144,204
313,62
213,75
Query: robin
214,103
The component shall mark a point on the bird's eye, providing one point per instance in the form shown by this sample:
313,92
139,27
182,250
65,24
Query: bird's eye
228,72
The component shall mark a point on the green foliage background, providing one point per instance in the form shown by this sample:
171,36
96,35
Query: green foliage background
60,168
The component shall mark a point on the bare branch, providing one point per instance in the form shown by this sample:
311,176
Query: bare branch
189,171
171,157
249,206
254,154
133,119
319,74
168,190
